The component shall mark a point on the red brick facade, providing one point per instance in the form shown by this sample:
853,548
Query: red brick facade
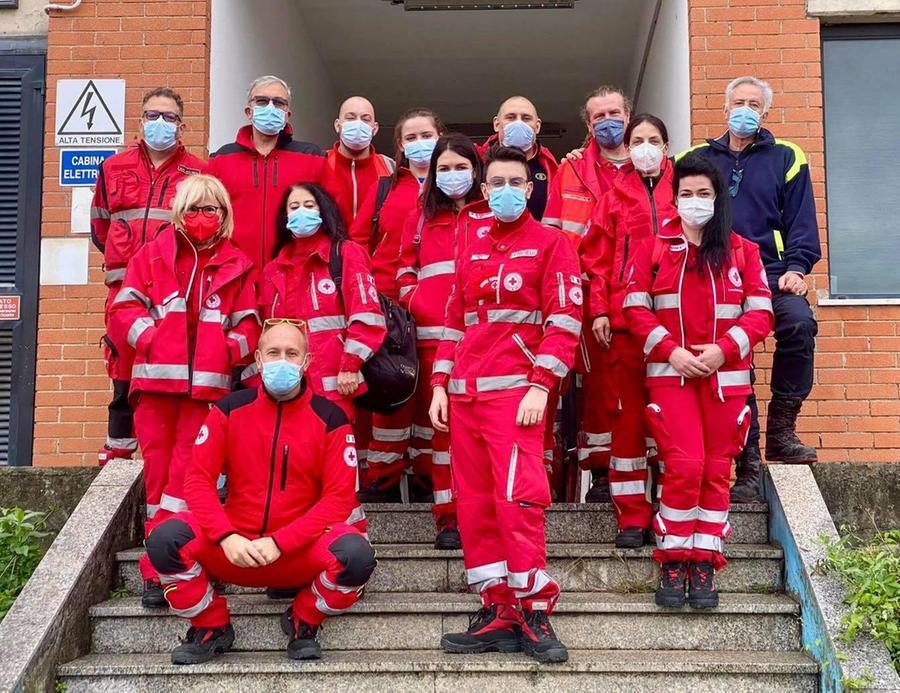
854,411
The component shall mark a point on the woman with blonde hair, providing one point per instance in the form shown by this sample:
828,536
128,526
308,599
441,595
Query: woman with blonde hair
187,308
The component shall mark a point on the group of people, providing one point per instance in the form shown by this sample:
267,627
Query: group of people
622,287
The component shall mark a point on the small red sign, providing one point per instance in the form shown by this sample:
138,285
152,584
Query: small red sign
10,307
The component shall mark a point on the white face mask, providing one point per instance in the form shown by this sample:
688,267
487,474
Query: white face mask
646,157
696,211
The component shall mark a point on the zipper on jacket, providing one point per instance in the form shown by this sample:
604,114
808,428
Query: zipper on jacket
162,193
265,520
499,278
687,252
355,190
284,467
712,281
255,171
525,350
275,172
625,246
264,208
312,290
147,209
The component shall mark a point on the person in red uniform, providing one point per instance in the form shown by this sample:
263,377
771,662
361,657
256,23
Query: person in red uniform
640,201
263,162
697,301
379,227
452,215
581,182
510,334
517,124
132,201
187,308
346,327
353,166
282,523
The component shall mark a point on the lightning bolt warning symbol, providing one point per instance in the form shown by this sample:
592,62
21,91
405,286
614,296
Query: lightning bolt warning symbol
89,112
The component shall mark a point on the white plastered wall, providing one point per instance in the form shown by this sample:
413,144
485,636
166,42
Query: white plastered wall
665,89
247,43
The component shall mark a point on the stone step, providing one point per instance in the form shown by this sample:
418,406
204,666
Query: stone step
571,523
413,672
577,567
416,621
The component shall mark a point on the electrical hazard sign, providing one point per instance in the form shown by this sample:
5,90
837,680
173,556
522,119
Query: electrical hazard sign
90,112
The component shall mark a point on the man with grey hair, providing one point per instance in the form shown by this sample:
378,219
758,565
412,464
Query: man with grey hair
262,163
772,204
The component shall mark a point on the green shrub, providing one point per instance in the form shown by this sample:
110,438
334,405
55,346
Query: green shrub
21,532
871,572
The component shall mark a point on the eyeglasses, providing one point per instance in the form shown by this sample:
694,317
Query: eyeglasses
497,182
263,101
737,175
206,210
272,322
167,116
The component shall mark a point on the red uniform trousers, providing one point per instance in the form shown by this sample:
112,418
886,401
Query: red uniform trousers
501,495
331,572
406,439
596,405
166,427
698,435
628,477
358,517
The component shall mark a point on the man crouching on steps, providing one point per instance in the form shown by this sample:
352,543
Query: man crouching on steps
290,458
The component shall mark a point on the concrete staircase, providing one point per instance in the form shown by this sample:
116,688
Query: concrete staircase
618,639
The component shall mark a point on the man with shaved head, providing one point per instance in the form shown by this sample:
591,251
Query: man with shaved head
518,125
353,166
290,458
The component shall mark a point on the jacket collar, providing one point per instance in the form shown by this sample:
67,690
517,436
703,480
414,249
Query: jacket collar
144,153
501,230
245,137
227,261
299,249
764,138
338,157
302,399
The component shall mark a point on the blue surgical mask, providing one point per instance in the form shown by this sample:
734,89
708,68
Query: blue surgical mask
303,222
356,134
160,135
609,132
281,377
519,135
454,184
269,120
743,121
419,152
507,203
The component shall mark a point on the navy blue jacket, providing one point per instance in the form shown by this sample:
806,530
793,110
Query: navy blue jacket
774,205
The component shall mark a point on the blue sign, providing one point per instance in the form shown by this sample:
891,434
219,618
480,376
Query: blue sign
80,167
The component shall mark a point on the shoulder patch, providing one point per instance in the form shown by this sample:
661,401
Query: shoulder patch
186,170
329,412
236,400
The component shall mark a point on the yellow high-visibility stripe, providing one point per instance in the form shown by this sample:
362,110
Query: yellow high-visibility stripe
679,157
799,160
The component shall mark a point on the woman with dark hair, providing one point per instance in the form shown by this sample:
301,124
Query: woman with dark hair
345,328
452,214
697,301
632,210
378,228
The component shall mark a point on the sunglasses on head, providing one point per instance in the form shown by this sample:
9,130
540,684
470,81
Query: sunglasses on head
272,322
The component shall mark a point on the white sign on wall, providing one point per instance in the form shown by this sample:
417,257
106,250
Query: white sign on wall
90,112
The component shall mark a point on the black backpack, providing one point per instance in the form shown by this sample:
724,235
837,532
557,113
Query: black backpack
385,184
392,374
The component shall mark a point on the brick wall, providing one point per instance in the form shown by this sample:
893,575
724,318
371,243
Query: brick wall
148,44
853,413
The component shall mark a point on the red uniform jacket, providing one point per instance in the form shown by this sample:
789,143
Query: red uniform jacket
626,215
257,185
155,314
348,180
384,243
132,201
548,161
670,303
576,189
291,468
429,253
514,316
344,330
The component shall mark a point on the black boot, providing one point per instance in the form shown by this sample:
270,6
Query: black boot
447,538
302,643
703,593
539,641
377,492
282,592
203,644
492,628
599,491
630,538
672,578
782,443
153,597
746,486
